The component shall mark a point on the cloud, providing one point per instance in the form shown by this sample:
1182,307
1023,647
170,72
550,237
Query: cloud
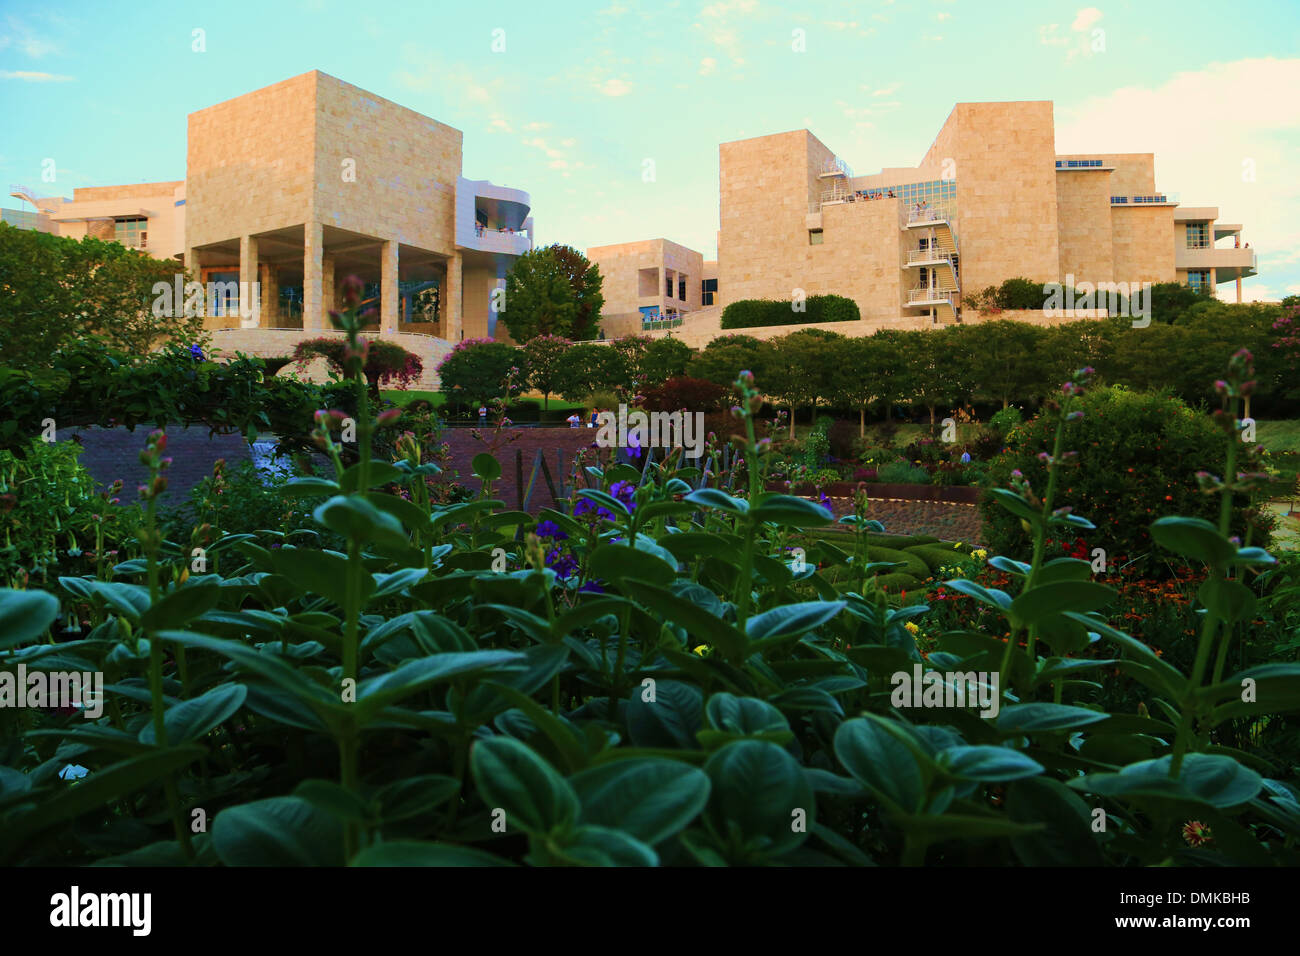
1085,18
941,16
20,36
30,76
615,87
1048,36
1210,163
889,90
708,65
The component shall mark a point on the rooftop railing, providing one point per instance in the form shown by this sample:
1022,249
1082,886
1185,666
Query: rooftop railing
1077,163
928,255
1159,199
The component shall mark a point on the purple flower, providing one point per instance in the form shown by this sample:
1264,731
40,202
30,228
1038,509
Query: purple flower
561,562
965,458
587,506
549,529
625,492
196,351
592,587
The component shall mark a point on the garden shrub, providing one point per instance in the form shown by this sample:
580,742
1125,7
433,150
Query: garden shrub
1005,419
1137,457
911,563
902,473
692,394
757,313
476,371
387,363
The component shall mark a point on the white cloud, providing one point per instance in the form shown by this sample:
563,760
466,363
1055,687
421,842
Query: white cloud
615,87
1207,163
1085,18
708,65
535,125
1048,36
941,16
20,36
30,76
888,90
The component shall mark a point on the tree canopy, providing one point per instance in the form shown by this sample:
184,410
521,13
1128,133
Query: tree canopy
554,290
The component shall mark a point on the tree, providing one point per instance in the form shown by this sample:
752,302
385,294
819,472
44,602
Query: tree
544,358
386,362
55,290
589,368
728,355
664,359
554,290
479,370
1003,359
802,368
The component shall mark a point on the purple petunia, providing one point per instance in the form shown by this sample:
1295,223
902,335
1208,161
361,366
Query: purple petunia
625,492
592,587
561,562
549,529
587,506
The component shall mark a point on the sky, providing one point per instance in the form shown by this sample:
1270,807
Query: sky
569,101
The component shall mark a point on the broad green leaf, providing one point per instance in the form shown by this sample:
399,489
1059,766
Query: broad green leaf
25,615
761,792
191,719
649,799
417,853
277,831
511,777
879,760
1030,718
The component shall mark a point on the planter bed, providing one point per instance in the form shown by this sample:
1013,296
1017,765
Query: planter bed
956,494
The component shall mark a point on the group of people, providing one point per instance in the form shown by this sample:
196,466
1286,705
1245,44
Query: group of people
871,194
575,420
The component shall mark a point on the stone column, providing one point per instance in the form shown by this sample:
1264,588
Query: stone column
451,300
313,302
329,289
270,295
388,289
250,305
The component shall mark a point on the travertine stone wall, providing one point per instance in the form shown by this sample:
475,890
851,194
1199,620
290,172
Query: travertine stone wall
621,265
1144,251
1005,166
1084,219
250,162
406,166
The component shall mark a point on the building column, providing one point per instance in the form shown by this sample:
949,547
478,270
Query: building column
270,295
329,287
250,305
451,300
388,289
313,247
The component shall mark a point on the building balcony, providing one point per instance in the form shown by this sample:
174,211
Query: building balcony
928,296
928,257
508,228
1155,199
1227,264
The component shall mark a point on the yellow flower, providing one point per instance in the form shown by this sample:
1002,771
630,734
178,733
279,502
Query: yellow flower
979,554
913,628
704,650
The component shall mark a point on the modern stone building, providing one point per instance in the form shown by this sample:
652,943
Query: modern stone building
299,184
991,200
651,283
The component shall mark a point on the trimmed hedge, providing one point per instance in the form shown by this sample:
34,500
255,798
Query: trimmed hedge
753,313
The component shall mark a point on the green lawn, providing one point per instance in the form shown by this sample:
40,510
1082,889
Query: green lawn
404,397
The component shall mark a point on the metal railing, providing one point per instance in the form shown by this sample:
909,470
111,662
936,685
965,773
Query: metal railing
1077,163
928,255
1159,199
928,294
925,213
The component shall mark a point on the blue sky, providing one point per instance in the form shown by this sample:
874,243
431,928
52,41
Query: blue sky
583,94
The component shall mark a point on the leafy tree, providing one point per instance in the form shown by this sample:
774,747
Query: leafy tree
544,358
479,370
1171,300
936,368
728,355
802,366
554,290
1020,293
664,359
55,290
386,362
1003,360
590,368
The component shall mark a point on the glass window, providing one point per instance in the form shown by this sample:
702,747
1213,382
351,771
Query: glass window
131,232
1198,235
814,237
1199,279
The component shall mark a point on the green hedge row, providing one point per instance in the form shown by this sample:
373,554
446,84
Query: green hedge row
752,313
